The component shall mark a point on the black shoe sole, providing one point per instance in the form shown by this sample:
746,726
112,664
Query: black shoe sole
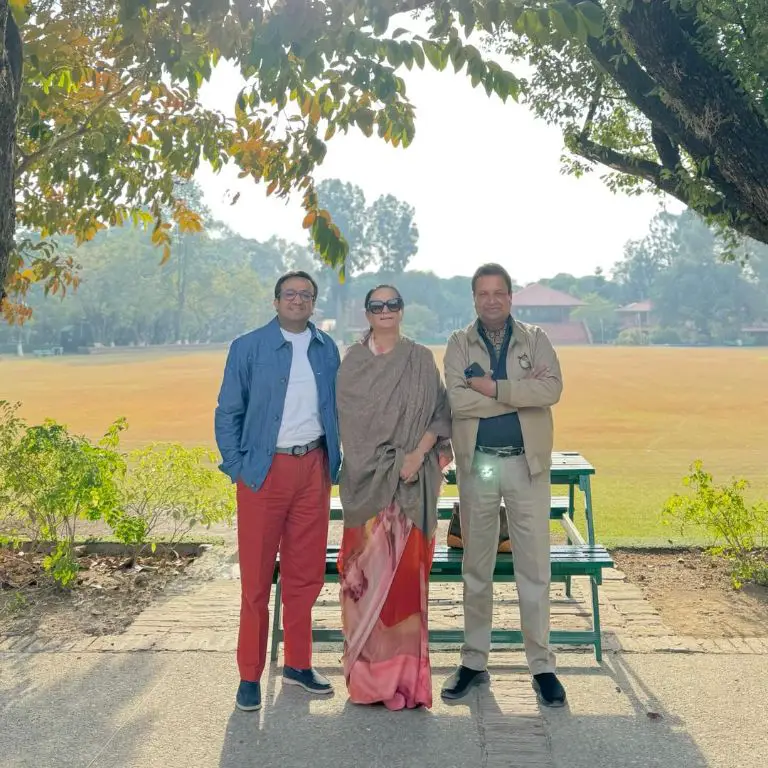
556,704
479,679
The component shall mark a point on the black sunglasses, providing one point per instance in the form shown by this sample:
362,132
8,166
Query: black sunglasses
376,307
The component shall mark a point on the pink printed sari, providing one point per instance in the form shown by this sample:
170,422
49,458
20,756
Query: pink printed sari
384,569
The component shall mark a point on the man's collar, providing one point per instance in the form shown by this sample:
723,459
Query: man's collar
474,337
276,333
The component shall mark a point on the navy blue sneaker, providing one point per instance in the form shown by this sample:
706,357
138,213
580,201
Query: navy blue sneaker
248,696
308,679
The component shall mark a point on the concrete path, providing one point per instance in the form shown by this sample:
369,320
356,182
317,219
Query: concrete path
126,710
162,694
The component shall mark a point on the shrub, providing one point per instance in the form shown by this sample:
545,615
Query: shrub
665,336
53,478
11,427
737,530
632,337
168,490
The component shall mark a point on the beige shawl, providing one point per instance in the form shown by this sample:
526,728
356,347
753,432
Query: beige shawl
386,403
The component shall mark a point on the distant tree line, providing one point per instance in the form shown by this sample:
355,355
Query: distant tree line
218,284
700,292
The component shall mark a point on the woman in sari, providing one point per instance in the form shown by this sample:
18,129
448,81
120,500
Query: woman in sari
394,424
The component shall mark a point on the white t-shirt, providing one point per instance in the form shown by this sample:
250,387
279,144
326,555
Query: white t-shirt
301,416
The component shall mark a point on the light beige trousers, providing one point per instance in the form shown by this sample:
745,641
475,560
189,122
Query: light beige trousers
527,501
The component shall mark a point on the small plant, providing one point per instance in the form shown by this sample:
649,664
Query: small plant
168,490
11,427
737,530
53,478
17,604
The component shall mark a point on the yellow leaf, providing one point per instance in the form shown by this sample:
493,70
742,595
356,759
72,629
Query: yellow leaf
314,114
309,219
166,254
272,187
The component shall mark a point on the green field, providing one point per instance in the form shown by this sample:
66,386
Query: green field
640,415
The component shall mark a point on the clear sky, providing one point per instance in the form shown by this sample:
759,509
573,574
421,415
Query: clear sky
483,176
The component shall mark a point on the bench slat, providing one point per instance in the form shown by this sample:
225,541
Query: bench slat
558,507
565,559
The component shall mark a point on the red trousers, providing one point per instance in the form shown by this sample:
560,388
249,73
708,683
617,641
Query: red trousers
288,513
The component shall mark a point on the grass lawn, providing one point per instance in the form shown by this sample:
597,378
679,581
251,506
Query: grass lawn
640,415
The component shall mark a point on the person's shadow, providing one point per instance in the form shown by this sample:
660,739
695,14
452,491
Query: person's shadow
296,730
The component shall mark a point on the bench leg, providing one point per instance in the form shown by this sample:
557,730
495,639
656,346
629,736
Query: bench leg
571,513
596,621
276,626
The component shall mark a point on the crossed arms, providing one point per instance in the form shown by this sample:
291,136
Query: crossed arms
541,388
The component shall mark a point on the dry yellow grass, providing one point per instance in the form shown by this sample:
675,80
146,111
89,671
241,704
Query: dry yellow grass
640,415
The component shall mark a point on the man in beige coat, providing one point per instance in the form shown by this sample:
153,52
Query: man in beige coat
503,376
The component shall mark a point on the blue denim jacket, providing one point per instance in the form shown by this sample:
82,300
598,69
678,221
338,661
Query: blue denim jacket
252,398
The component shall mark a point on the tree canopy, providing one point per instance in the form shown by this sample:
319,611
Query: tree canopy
667,94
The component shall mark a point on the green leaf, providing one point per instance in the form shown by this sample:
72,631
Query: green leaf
593,16
434,54
399,32
394,54
418,55
564,19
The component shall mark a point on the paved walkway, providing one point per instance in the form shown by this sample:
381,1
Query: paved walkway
161,694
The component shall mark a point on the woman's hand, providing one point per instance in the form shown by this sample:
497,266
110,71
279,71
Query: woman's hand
411,465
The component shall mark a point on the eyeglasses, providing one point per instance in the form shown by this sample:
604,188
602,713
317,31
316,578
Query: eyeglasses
290,294
376,307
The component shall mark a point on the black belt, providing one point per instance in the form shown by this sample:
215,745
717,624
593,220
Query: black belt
501,453
302,450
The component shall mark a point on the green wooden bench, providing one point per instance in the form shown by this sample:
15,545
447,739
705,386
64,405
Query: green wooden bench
567,560
561,510
559,507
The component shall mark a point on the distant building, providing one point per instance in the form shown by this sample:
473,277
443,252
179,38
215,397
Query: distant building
551,310
757,333
639,314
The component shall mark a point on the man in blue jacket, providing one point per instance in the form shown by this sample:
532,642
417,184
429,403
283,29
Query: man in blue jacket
277,433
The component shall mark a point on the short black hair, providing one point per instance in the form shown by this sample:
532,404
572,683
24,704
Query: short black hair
378,288
295,273
491,270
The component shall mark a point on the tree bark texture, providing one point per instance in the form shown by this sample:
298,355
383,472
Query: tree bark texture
10,83
718,119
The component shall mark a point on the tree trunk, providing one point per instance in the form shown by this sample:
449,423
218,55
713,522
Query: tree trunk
711,106
10,81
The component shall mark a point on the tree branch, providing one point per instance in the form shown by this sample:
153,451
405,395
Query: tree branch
708,100
593,105
667,182
60,141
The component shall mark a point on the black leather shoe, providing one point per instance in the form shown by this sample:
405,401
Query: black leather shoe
549,690
461,682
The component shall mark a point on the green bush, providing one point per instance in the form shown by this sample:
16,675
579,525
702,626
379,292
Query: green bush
632,337
167,491
11,427
665,336
738,531
52,478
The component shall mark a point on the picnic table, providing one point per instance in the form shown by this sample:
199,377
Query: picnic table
580,556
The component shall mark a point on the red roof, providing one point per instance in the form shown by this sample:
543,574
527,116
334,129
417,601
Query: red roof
538,295
637,306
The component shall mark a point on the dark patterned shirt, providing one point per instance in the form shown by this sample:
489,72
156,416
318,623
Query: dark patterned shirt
496,338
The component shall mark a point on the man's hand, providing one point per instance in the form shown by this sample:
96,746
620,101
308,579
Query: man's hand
485,385
411,465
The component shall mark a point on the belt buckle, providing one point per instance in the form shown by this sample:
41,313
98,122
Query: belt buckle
299,450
